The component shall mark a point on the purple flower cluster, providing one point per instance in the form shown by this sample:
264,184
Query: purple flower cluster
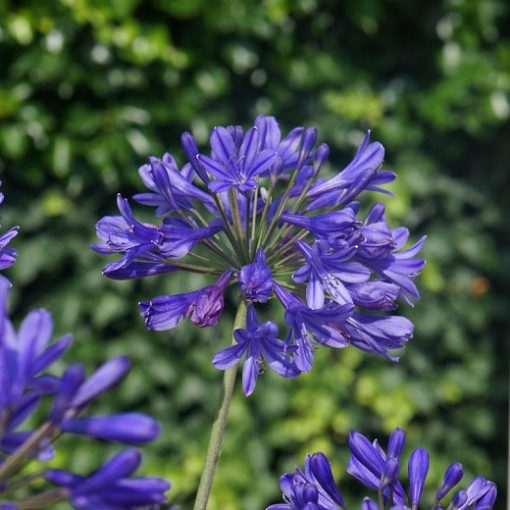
255,212
26,386
313,487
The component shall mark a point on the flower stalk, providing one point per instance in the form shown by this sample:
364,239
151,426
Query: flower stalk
218,428
12,463
42,500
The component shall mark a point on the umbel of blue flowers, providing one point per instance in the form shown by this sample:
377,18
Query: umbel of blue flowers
255,213
312,487
26,386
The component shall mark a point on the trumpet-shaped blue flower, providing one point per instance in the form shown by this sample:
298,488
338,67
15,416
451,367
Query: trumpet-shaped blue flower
256,343
378,334
203,307
328,271
385,256
171,189
309,326
235,164
146,244
363,172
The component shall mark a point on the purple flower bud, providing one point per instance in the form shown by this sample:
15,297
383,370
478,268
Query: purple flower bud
396,442
190,148
321,156
321,470
136,270
165,312
453,475
45,384
418,469
130,428
256,280
390,472
60,477
307,142
256,342
71,382
486,502
205,309
106,376
366,453
119,466
476,489
368,504
458,500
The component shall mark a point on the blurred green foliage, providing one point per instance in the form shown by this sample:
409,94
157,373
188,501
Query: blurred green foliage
89,89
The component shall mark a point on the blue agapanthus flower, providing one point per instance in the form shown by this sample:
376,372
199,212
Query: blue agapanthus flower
256,342
26,387
312,487
254,212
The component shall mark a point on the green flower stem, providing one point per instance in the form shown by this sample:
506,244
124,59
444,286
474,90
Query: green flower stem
211,243
276,256
262,227
301,198
13,462
218,428
226,224
4,421
254,219
42,500
247,239
193,268
279,210
23,481
223,255
238,224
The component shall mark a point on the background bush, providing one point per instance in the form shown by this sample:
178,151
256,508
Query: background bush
89,89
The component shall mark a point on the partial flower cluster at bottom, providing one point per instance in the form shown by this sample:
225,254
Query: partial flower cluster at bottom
26,481
312,487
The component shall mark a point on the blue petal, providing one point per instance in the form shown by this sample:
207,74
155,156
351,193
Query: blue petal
130,428
229,356
418,469
106,376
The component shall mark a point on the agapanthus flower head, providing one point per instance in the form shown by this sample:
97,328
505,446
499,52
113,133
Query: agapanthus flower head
313,488
25,356
254,212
